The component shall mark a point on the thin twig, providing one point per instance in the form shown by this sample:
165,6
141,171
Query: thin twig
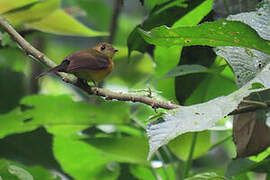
107,94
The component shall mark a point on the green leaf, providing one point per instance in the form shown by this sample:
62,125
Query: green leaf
186,69
13,4
60,115
240,166
33,13
12,89
141,172
136,42
82,161
20,173
181,145
98,12
166,59
256,86
13,122
195,15
218,33
152,3
124,149
206,176
60,22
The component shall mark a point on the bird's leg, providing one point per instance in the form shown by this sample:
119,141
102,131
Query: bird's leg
83,83
95,84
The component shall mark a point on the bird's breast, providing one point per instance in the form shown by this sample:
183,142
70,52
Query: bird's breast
96,75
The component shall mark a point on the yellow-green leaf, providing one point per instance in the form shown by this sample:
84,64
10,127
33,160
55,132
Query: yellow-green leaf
7,5
66,25
34,13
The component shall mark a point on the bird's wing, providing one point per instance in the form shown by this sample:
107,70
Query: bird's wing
89,59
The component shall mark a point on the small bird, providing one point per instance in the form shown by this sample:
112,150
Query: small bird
92,64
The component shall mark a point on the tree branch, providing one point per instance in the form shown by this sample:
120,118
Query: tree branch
107,94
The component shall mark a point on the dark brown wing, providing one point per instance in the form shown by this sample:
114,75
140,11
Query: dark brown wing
89,59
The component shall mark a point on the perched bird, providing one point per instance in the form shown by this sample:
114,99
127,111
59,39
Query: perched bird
92,64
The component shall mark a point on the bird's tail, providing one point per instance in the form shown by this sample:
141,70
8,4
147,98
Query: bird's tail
60,68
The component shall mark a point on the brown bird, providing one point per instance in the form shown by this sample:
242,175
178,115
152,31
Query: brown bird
92,64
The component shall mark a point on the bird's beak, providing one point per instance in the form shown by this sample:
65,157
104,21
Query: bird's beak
115,50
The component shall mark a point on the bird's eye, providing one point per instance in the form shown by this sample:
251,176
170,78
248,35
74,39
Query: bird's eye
102,48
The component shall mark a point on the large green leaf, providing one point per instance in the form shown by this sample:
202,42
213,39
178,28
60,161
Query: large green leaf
195,15
165,17
59,22
35,171
218,33
7,5
98,12
60,115
241,166
166,59
124,149
12,89
82,161
33,13
181,145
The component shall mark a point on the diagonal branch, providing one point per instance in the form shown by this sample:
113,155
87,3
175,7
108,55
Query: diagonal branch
107,94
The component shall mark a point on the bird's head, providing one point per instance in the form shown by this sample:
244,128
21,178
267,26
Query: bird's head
106,48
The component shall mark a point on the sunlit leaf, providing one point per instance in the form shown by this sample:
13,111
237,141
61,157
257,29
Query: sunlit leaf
33,13
181,145
125,149
195,15
83,161
63,116
66,25
7,5
218,33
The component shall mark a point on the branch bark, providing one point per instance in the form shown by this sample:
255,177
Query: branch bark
107,94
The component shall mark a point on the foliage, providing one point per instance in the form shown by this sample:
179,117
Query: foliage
50,130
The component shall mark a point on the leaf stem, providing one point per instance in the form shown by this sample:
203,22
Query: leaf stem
190,156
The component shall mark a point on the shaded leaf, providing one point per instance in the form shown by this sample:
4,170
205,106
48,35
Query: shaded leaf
240,166
10,96
186,69
65,25
218,33
32,149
